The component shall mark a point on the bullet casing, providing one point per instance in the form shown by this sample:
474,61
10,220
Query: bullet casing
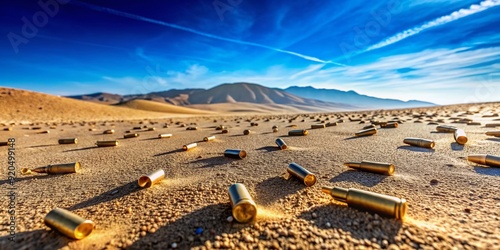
244,209
235,153
316,126
68,223
446,129
369,201
107,143
151,179
484,159
366,132
224,131
130,136
247,132
418,142
492,125
109,131
281,144
460,136
493,133
68,141
373,167
209,138
298,132
189,146
308,178
4,143
389,125
164,136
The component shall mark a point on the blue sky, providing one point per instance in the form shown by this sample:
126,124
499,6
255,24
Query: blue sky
440,51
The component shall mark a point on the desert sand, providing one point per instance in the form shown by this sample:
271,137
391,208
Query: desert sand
452,203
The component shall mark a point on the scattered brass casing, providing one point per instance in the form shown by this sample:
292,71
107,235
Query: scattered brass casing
235,153
65,168
247,132
298,132
389,125
493,133
189,146
331,124
369,201
302,174
281,144
4,143
492,125
151,129
418,142
243,207
107,143
484,159
371,166
192,128
474,123
275,130
316,126
109,131
460,136
130,136
209,138
366,132
68,141
151,179
7,129
164,136
68,223
224,131
446,129
44,132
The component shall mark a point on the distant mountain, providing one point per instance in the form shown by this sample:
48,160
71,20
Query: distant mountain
353,98
173,96
101,97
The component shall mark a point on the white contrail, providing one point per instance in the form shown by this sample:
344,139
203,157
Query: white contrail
473,9
178,27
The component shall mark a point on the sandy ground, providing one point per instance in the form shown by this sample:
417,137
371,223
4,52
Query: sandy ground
452,203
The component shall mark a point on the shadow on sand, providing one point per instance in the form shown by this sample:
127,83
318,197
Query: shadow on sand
271,189
38,239
30,177
79,149
269,148
417,149
42,146
212,219
110,195
487,170
214,161
364,178
169,152
456,147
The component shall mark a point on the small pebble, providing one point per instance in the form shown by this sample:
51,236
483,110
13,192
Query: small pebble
230,219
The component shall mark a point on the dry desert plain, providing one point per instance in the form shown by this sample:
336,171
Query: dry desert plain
453,204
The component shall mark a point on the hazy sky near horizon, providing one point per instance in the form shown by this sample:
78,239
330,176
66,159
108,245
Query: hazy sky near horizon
439,51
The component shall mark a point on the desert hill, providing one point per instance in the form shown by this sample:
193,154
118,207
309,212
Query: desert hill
148,105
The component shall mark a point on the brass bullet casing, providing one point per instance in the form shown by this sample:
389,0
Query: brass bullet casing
275,130
224,131
243,207
418,142
4,143
492,125
65,168
446,129
7,129
109,131
298,132
130,136
209,138
493,133
68,141
316,126
281,144
235,153
331,124
107,143
389,125
302,174
68,223
192,128
460,136
484,159
373,167
366,132
164,136
247,132
44,132
151,179
92,129
151,129
369,201
474,123
189,146
137,128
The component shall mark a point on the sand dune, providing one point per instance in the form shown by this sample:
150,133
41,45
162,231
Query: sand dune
161,107
244,107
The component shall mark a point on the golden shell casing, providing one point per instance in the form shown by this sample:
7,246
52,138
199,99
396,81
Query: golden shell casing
369,201
247,132
275,130
493,133
109,131
235,153
244,209
492,125
446,129
209,138
164,135
366,132
65,168
7,129
68,141
224,131
316,126
474,123
130,136
151,129
331,124
107,143
4,143
151,179
281,144
302,174
373,167
44,132
189,146
419,142
298,132
389,125
484,159
68,223
460,136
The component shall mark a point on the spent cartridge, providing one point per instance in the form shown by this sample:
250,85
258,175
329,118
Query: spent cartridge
373,167
68,141
109,131
460,136
302,174
298,132
493,133
446,129
484,159
235,153
164,136
243,207
209,138
68,223
151,179
366,132
281,144
247,132
316,126
65,168
189,146
130,136
389,125
418,142
369,201
107,143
